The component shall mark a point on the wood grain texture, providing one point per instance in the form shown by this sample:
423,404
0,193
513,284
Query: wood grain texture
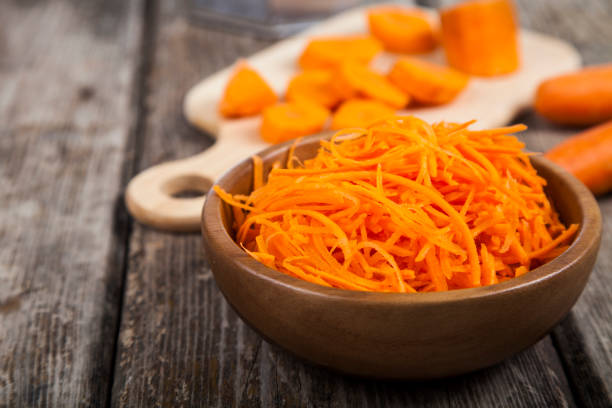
181,344
66,70
586,25
66,108
584,339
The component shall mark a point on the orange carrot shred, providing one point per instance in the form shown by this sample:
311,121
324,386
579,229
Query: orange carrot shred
257,172
402,206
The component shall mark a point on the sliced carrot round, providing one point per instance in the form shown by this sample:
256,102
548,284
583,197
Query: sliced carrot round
427,83
314,86
402,30
360,113
246,93
329,52
357,80
287,121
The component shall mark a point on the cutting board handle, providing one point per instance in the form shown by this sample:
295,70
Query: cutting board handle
153,197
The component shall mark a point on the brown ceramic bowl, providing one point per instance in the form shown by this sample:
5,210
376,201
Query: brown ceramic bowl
408,336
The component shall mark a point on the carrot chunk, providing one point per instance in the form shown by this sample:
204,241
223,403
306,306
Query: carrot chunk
588,156
246,93
580,98
356,80
287,121
480,37
314,86
403,206
427,83
402,30
329,52
360,113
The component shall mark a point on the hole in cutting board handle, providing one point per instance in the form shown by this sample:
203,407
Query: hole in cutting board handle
187,186
191,193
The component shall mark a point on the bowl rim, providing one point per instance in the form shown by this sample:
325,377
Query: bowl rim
220,241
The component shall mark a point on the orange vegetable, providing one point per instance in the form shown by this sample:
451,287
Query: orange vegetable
360,113
356,80
287,121
404,206
427,83
580,98
329,52
402,30
588,156
246,93
314,86
480,37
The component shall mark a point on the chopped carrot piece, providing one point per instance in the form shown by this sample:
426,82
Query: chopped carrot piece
287,121
402,30
588,156
330,52
314,86
403,206
360,113
427,83
246,93
480,37
356,80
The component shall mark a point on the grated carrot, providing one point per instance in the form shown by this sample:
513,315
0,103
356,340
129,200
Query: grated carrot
403,206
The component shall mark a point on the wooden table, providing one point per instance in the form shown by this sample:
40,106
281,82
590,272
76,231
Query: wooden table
97,310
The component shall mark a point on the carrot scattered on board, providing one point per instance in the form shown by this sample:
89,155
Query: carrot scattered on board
402,30
580,98
329,52
360,113
427,83
315,86
246,93
357,80
287,121
588,156
404,206
480,37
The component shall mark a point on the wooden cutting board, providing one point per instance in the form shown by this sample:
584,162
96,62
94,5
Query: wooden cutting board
150,196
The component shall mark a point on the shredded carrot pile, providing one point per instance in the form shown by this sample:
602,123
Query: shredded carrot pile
403,206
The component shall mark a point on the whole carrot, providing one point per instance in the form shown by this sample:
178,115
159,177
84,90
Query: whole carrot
588,156
580,98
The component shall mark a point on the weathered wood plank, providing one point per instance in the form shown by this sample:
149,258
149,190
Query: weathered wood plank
586,25
181,344
66,73
584,339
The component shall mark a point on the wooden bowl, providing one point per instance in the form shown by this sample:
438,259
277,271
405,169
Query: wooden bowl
396,335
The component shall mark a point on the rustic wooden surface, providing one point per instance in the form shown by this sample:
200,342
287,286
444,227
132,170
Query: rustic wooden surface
66,83
90,94
584,338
